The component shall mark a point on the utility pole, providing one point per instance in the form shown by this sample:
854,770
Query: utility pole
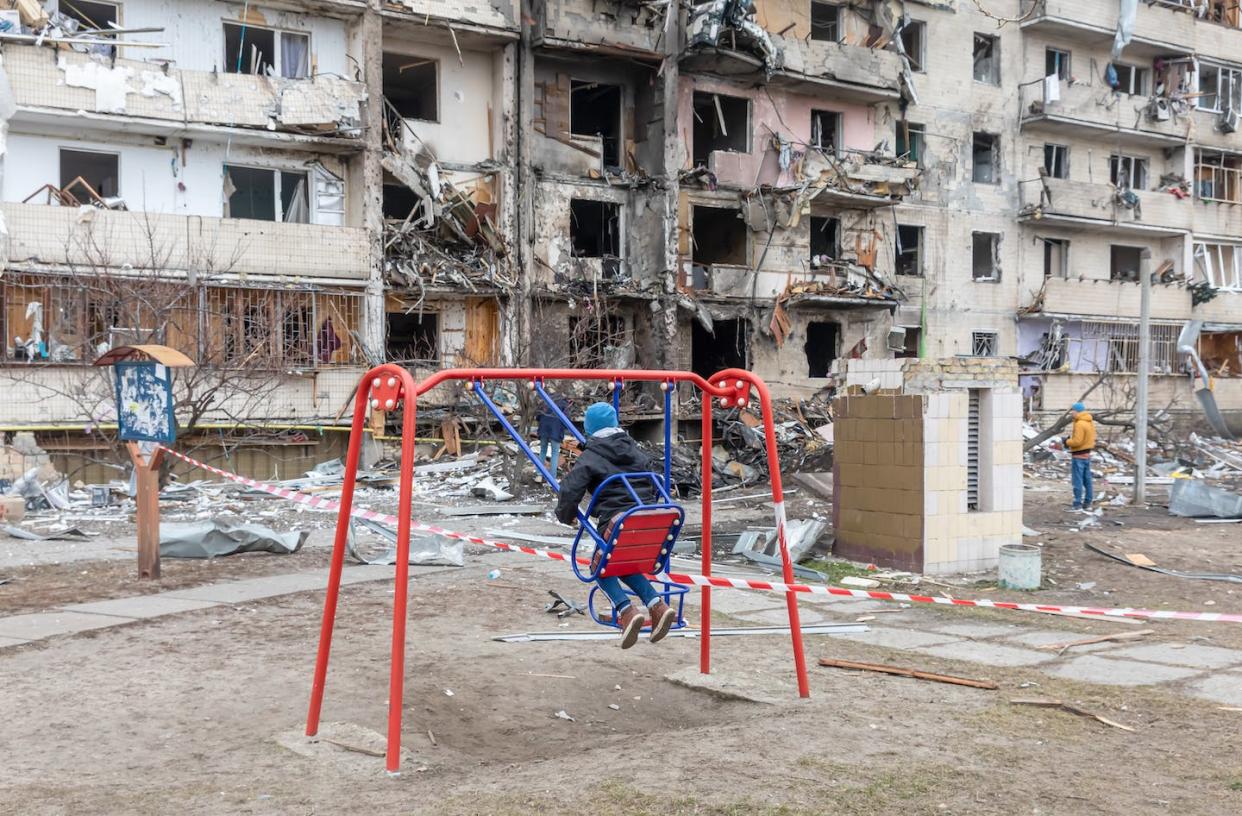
1144,368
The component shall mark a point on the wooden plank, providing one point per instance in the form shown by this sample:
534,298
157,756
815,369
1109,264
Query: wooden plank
1116,636
1070,709
904,672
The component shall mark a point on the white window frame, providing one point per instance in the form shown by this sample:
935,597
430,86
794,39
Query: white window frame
1126,165
1228,84
1065,159
1212,267
1137,72
1064,58
60,148
279,203
839,23
276,57
918,62
995,239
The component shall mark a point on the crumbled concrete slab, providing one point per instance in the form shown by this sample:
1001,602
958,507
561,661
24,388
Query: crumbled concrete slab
990,654
1175,654
1109,672
8,641
346,747
750,688
899,638
780,617
1221,687
140,606
49,624
976,630
1046,637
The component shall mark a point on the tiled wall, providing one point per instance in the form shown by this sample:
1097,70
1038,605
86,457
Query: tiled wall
900,465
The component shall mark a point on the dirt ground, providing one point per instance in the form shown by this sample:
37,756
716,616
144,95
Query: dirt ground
184,713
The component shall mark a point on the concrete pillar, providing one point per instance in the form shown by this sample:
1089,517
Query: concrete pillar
670,93
368,42
524,180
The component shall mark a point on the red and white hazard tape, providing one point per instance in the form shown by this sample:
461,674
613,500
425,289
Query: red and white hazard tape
689,579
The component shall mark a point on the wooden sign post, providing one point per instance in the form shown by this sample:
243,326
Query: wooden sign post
147,499
146,423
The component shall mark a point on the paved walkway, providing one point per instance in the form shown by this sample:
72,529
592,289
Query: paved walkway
1208,672
74,618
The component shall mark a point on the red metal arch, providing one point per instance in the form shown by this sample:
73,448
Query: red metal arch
387,386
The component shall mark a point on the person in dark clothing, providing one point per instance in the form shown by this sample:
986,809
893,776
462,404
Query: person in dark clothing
609,450
551,432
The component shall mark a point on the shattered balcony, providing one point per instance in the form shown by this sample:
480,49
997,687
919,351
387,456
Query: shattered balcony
466,16
1109,299
90,237
1159,27
52,87
623,28
1102,207
743,51
1052,106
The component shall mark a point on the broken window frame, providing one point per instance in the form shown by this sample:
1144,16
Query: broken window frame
834,252
1126,168
1227,87
278,46
718,111
1049,247
594,340
984,343
74,10
1214,269
1056,160
976,168
617,234
611,146
77,190
278,191
913,255
828,27
696,258
818,116
994,239
813,367
1057,63
425,343
1131,79
914,44
1215,178
989,72
397,100
1115,263
910,141
244,320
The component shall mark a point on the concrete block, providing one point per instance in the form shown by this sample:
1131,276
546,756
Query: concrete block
254,589
1222,687
1046,637
991,654
899,638
8,641
778,617
140,606
42,625
1110,672
1175,654
977,630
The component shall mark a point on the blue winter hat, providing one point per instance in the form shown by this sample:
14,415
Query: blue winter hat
1078,406
599,416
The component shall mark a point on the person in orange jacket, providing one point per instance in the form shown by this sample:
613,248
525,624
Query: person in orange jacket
1080,443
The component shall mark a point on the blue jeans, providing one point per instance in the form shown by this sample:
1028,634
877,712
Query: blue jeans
1080,476
637,582
544,445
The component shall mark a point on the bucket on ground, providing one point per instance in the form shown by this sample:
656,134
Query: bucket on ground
1020,566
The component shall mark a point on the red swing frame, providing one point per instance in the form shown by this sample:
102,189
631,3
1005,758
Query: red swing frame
387,386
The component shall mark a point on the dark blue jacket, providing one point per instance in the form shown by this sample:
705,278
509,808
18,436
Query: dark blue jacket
550,427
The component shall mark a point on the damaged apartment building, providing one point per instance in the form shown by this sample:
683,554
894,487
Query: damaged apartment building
292,191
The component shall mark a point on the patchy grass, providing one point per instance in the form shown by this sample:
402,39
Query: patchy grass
835,570
1236,785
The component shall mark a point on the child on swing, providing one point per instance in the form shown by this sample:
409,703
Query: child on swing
609,450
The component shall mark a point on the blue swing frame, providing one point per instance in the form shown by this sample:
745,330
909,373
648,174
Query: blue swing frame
666,590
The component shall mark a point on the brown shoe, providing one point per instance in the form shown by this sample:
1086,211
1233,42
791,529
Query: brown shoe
631,622
662,619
